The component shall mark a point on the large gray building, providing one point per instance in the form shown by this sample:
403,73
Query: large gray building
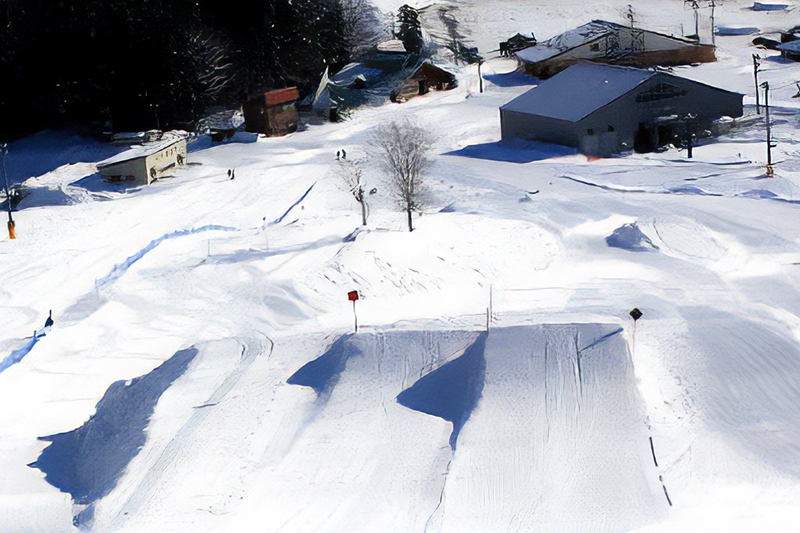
602,109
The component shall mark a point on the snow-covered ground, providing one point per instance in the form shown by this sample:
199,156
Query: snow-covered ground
581,420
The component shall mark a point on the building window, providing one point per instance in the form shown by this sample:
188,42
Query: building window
590,131
661,91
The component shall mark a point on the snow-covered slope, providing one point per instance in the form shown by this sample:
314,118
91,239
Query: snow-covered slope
253,273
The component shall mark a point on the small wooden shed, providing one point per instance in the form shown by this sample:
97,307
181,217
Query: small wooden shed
272,113
428,77
145,164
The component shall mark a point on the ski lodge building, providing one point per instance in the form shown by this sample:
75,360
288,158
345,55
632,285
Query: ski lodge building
603,109
611,43
145,164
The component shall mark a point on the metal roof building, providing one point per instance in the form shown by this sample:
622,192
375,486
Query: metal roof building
602,109
147,163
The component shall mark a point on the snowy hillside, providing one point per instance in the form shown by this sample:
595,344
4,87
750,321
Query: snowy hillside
201,374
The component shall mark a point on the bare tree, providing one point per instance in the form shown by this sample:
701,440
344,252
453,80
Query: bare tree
350,178
361,25
402,150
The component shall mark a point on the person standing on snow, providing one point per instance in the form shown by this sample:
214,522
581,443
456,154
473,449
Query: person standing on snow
49,322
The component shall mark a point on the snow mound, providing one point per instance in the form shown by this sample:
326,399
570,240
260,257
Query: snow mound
88,461
630,237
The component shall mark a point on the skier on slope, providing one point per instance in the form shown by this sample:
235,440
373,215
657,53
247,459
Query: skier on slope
49,322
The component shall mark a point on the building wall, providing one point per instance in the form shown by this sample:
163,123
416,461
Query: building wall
165,161
133,170
515,125
614,128
637,107
144,170
649,49
270,120
281,119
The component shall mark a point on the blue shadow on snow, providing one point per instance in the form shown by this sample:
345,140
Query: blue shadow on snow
88,461
17,355
451,391
516,151
510,79
322,373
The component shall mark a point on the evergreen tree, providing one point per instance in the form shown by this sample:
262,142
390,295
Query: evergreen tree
410,30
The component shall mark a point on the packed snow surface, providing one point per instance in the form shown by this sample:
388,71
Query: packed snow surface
565,416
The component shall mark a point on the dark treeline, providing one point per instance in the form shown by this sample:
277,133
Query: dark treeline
142,64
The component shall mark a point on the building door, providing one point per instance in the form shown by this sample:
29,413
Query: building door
646,138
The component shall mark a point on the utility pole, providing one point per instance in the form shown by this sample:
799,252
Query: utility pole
713,32
695,7
770,146
12,234
690,134
756,64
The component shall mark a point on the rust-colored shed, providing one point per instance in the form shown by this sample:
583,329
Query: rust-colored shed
272,113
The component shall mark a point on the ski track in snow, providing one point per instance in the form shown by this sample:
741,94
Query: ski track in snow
681,422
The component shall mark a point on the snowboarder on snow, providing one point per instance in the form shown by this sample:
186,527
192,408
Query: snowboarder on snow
338,153
344,154
233,173
229,173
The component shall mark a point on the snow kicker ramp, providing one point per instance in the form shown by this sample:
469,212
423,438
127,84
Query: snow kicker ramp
536,428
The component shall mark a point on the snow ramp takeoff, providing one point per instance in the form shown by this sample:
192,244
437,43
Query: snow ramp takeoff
550,430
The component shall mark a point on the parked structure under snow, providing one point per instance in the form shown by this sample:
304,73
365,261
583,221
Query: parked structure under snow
145,164
607,42
602,109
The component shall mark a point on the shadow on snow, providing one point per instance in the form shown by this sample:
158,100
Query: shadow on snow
516,151
452,391
88,461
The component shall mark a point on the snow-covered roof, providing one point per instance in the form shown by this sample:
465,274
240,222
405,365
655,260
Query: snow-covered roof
573,38
579,90
137,152
348,74
567,40
395,46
